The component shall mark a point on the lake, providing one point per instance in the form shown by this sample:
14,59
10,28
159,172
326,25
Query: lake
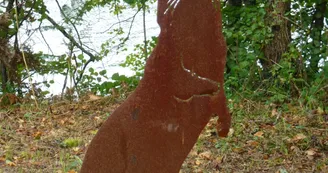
94,32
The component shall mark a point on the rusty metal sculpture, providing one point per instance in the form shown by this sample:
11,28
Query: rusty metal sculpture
156,127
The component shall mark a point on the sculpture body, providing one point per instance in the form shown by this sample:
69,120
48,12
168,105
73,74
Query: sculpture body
156,127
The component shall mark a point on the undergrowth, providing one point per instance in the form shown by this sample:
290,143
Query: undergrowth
263,138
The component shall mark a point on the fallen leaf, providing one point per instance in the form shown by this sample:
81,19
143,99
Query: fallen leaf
252,143
268,126
71,121
94,97
320,111
76,149
2,160
34,148
251,151
206,155
37,163
259,134
238,150
274,112
10,163
231,131
219,159
265,156
198,162
298,137
93,132
97,118
85,107
311,152
37,135
295,149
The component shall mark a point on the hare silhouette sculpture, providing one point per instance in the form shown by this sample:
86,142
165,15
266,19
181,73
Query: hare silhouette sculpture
156,127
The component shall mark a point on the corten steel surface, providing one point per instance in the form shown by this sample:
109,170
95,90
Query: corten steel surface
156,127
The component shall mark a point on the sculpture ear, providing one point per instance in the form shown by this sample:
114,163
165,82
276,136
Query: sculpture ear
162,7
165,11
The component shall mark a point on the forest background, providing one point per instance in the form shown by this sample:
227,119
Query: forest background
277,50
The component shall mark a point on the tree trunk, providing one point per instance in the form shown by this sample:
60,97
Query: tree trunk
235,2
4,40
4,77
239,3
282,35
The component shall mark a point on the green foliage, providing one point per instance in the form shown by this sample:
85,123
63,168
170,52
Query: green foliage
247,33
299,73
50,64
27,116
70,143
120,82
136,61
116,6
71,66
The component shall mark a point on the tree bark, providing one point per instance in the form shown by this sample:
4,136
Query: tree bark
4,40
235,2
240,3
4,77
280,26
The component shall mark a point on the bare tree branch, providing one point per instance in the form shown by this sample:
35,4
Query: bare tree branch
144,29
75,43
44,39
69,20
128,35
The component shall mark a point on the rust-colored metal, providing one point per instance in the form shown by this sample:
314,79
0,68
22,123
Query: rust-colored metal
156,127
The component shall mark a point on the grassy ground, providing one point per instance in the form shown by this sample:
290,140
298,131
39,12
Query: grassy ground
262,139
